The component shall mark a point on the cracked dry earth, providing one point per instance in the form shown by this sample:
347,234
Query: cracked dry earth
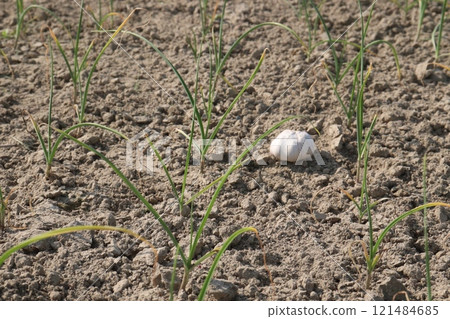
305,222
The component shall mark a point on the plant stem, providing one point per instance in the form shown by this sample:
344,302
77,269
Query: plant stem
371,256
174,274
425,230
441,27
187,271
2,211
422,8
368,279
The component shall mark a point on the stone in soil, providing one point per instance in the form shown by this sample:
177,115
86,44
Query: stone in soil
222,290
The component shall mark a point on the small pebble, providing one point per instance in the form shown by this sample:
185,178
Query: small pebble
247,205
336,144
108,117
285,198
389,287
186,211
334,130
55,296
273,197
222,290
54,278
121,285
111,220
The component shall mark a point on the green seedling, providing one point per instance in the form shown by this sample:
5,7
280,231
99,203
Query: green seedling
207,21
405,5
19,7
361,206
50,147
101,18
438,29
187,257
339,71
312,24
19,11
21,14
355,106
425,231
3,206
78,66
336,79
422,8
304,12
373,254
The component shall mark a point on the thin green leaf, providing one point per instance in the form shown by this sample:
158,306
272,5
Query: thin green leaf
224,247
68,230
169,177
94,66
401,217
23,14
236,99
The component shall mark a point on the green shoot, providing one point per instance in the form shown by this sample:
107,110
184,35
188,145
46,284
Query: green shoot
21,16
372,254
19,8
422,8
219,255
312,26
303,10
78,66
363,207
49,147
406,6
360,78
111,9
166,171
101,18
425,230
373,257
339,71
3,205
439,27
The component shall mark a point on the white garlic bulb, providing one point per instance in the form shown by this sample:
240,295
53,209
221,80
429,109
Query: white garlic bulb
288,145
